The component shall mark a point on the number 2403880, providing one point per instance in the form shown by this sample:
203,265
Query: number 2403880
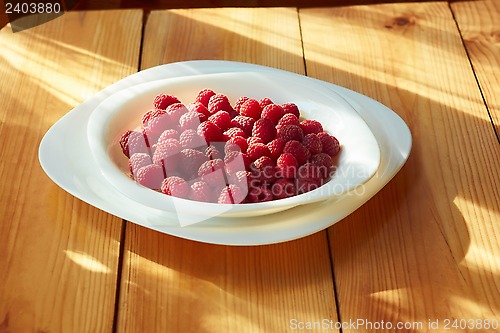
32,8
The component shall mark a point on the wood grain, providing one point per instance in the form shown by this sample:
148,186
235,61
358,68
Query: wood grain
175,285
426,246
478,22
58,267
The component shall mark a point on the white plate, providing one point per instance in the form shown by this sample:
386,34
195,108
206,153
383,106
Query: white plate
76,171
356,164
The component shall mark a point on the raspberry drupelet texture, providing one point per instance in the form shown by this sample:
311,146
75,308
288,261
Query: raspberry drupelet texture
219,102
311,126
244,123
162,101
204,96
273,112
264,129
150,176
175,186
251,108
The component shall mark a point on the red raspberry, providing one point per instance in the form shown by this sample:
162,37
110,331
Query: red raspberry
276,148
245,123
204,96
239,102
124,143
259,194
311,126
256,150
287,165
209,131
290,132
234,131
151,114
191,139
298,150
251,108
198,107
219,102
263,102
288,119
236,143
162,101
264,129
176,187
166,155
309,171
325,163
305,185
283,188
273,112
137,161
212,172
136,143
175,111
291,108
313,143
242,178
330,144
168,134
264,170
155,127
190,161
231,194
213,153
190,120
150,176
222,119
254,139
236,161
200,191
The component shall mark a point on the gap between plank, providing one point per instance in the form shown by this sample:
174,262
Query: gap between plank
332,271
119,277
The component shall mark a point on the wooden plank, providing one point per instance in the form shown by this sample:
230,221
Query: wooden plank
174,285
426,247
58,268
478,22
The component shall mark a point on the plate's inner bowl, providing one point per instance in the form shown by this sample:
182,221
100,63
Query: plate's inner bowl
122,111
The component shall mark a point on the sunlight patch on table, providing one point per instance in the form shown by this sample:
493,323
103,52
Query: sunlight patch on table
87,262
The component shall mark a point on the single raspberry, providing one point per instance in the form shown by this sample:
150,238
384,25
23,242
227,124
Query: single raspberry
251,108
155,127
291,108
235,161
313,143
166,155
263,102
162,101
200,191
191,139
264,170
168,134
190,120
234,131
283,188
287,166
325,163
190,161
212,172
330,144
222,119
288,119
256,150
219,102
151,114
240,102
276,147
254,139
273,112
124,142
264,129
237,143
176,187
245,123
137,161
290,132
209,131
198,107
204,96
259,194
150,176
136,143
311,126
175,111
231,194
298,150
212,152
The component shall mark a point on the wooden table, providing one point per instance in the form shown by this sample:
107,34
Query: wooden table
424,250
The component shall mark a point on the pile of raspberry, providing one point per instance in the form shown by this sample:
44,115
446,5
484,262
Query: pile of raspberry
212,151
